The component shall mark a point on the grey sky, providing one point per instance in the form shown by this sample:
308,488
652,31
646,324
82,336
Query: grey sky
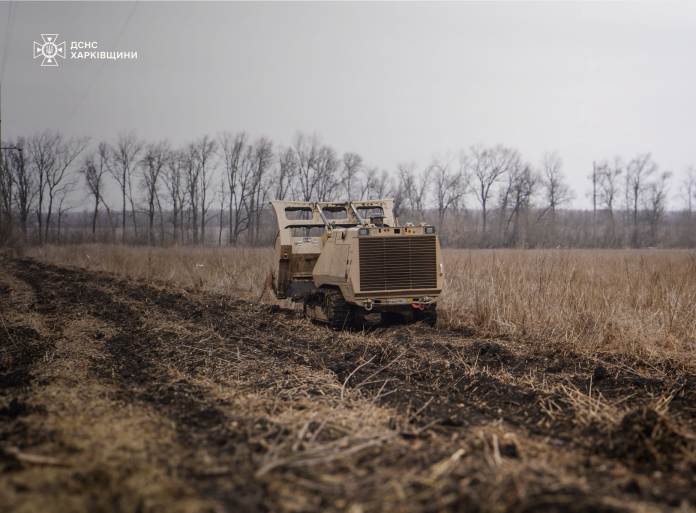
392,81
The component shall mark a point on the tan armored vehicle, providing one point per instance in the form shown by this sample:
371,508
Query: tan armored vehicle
349,261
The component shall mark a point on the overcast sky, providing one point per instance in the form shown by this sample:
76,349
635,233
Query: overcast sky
394,82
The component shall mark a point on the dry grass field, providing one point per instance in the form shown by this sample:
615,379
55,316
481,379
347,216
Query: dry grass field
150,380
640,303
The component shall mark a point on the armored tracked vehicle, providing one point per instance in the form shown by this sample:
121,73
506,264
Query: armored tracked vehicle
349,262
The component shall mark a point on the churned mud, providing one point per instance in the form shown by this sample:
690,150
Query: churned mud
125,396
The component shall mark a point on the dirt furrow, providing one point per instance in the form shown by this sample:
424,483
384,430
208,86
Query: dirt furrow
199,420
68,443
171,349
21,350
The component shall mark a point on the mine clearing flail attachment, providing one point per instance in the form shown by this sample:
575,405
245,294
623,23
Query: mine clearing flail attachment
351,262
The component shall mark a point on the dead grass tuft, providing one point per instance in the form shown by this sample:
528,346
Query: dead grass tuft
649,438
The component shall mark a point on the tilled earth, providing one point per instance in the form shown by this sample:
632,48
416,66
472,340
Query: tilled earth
124,396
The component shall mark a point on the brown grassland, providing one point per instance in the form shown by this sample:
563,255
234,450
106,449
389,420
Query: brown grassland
141,379
635,302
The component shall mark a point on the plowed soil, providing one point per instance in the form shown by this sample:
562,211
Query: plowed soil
125,396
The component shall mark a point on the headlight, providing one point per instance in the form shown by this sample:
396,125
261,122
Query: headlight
363,231
429,229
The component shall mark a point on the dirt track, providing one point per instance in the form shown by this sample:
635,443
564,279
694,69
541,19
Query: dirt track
122,396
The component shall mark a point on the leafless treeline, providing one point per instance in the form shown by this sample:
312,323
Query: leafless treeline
216,190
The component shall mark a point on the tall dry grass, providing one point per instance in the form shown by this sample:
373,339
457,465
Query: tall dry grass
640,303
634,302
237,271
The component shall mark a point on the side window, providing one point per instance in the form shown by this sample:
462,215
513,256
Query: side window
335,213
298,213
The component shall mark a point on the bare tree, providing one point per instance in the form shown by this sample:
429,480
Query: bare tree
153,163
638,172
234,152
366,184
122,161
192,184
287,172
594,178
222,194
556,191
6,195
374,184
262,161
398,195
61,196
93,170
351,166
488,166
325,174
307,151
245,184
609,185
204,152
655,203
174,182
58,183
523,181
43,157
22,186
510,196
415,189
688,195
449,186
380,185
406,177
688,190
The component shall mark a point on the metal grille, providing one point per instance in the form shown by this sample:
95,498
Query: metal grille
398,263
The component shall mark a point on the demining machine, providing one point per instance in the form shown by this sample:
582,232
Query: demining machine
351,262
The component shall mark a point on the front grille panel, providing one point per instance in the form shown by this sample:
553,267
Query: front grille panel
398,263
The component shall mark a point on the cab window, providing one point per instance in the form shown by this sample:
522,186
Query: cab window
307,231
367,212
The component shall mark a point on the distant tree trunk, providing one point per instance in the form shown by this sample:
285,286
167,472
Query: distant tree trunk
594,202
151,224
94,219
133,211
123,210
49,210
220,223
635,236
161,221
